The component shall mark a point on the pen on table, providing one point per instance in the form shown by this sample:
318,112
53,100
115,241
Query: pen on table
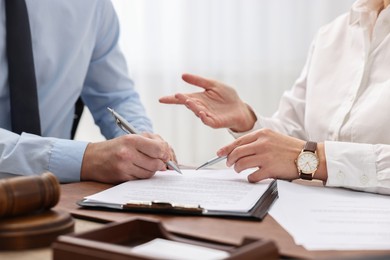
212,161
128,128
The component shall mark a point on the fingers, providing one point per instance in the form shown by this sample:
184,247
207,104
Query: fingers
124,158
172,155
168,100
257,176
200,111
208,120
144,154
194,107
271,152
198,81
153,147
177,99
247,162
147,166
242,153
243,140
193,80
168,149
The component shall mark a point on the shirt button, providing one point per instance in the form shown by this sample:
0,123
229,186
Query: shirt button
364,179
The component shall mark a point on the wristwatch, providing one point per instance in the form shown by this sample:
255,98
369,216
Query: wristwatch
308,161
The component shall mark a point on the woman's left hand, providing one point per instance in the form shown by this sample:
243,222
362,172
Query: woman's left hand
273,153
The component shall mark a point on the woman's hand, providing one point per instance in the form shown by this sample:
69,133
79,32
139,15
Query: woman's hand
274,155
218,106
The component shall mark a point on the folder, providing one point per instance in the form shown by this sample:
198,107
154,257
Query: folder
177,195
122,240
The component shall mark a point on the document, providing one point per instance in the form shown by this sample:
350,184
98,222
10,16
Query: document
167,249
213,192
323,218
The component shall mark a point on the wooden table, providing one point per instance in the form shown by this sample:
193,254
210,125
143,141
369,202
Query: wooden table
219,229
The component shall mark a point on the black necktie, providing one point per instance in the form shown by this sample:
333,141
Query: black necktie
21,73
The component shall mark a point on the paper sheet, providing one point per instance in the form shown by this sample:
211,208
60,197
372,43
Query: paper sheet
222,189
166,249
321,218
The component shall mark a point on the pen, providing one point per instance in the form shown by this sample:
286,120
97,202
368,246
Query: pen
128,128
212,161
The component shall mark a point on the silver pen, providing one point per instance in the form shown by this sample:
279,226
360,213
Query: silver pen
212,161
128,128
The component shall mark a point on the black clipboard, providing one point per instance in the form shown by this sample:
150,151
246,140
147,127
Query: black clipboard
257,212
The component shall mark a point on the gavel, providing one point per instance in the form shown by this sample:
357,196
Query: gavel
28,194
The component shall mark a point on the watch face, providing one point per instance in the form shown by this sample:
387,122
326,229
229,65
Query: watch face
307,162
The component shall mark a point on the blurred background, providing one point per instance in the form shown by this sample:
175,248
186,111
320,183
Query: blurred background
256,46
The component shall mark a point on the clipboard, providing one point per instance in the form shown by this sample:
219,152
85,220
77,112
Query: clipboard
257,212
117,240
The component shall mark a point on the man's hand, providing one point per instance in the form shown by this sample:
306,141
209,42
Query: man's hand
172,155
218,106
125,158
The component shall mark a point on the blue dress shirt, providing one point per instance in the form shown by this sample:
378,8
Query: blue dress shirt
76,52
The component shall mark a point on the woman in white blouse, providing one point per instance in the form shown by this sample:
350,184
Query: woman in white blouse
341,101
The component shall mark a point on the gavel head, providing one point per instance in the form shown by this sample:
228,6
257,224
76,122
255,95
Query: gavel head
28,194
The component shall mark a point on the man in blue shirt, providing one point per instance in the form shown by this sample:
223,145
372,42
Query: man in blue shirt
75,49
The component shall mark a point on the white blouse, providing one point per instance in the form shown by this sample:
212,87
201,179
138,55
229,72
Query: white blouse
342,98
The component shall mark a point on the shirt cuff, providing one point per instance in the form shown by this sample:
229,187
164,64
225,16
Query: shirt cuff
66,158
351,165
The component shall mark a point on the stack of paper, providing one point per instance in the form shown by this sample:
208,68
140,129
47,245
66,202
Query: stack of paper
321,218
214,192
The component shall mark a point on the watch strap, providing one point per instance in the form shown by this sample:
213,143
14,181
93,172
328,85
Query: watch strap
310,147
306,176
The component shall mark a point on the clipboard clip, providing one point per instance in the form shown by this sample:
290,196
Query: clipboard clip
163,206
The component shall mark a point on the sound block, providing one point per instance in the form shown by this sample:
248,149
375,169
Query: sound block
33,231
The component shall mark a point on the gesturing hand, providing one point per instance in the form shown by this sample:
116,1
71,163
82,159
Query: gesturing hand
218,106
